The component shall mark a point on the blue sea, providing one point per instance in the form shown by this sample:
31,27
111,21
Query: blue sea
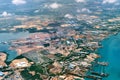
110,52
4,47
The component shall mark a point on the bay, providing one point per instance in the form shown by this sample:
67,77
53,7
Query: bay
110,52
4,47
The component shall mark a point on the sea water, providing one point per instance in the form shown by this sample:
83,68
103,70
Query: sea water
110,52
4,47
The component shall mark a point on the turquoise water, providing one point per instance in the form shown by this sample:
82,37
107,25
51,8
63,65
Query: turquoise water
110,52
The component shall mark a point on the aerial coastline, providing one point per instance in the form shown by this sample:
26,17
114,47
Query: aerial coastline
59,39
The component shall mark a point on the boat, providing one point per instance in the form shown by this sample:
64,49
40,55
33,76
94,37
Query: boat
103,63
100,74
94,77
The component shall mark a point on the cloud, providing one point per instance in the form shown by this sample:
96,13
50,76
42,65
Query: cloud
5,14
80,1
19,2
117,4
85,10
78,10
53,5
109,1
36,11
68,16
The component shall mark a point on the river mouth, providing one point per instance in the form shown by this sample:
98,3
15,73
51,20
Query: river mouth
110,53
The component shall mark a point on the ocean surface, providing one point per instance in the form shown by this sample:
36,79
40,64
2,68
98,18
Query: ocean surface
4,47
110,52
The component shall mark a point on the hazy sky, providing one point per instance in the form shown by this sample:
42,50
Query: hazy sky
8,7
